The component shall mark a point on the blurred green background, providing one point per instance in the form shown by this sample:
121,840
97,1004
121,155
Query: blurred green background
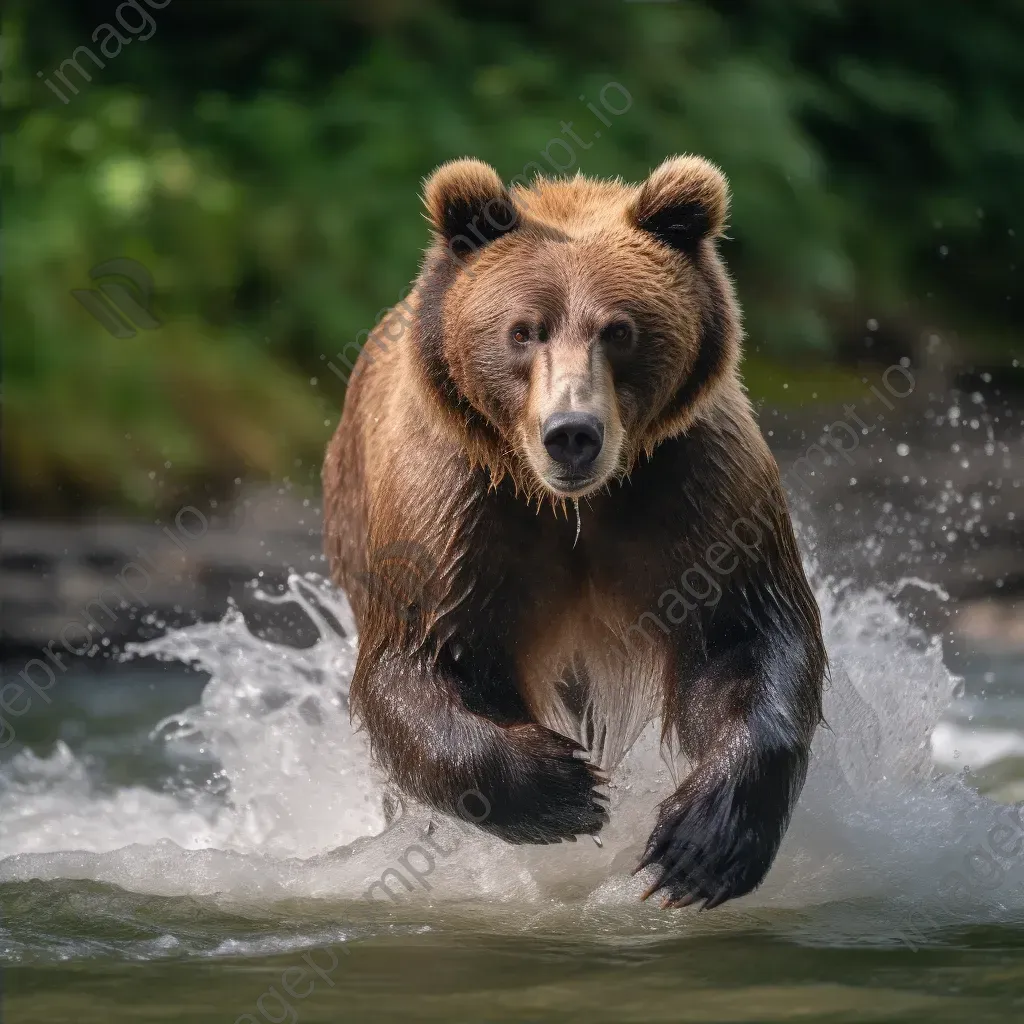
263,161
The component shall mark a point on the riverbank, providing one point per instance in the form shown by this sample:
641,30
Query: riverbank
885,488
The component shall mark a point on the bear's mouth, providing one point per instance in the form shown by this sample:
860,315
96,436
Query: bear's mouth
572,484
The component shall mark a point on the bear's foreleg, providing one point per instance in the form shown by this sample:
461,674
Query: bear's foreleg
522,783
746,721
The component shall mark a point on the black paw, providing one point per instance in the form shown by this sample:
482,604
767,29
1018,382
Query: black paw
545,792
713,844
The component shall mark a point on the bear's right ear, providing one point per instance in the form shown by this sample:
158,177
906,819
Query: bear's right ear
468,206
684,200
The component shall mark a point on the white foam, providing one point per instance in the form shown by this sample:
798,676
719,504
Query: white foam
302,815
955,748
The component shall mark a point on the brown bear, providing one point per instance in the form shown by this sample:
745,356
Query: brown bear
575,341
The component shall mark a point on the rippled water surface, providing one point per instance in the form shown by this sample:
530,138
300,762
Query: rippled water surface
197,835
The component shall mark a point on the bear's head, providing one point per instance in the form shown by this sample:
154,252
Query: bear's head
567,326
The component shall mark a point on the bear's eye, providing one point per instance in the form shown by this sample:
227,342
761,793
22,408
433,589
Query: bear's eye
618,333
523,334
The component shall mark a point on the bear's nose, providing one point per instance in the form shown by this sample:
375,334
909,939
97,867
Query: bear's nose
573,439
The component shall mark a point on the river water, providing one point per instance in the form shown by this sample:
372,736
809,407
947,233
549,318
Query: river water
193,832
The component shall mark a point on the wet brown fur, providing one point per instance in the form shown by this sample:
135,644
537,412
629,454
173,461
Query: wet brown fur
496,673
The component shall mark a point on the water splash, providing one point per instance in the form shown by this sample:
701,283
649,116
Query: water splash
276,719
296,812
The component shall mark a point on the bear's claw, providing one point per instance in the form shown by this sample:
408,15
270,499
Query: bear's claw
704,855
545,792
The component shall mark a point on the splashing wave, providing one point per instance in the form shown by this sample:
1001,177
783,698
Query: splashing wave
297,811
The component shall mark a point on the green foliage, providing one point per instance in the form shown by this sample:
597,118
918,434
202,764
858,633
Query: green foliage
263,161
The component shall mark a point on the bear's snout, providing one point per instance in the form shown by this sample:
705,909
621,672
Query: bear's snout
573,439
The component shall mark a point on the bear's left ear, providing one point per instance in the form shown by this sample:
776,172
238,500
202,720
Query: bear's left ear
684,200
468,206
